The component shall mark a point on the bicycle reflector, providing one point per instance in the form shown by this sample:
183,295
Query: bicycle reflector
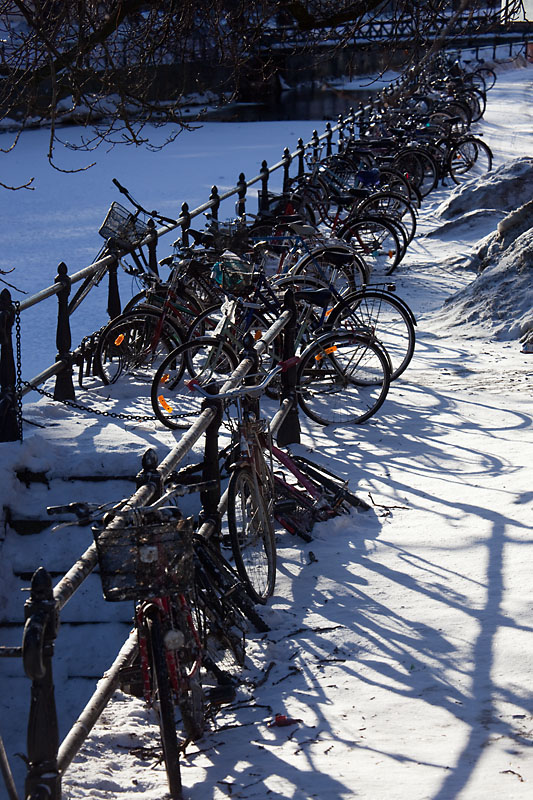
164,403
327,351
120,338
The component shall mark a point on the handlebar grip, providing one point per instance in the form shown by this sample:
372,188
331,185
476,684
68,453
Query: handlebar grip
50,510
122,189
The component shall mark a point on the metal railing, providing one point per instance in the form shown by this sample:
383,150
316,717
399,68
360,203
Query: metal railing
47,758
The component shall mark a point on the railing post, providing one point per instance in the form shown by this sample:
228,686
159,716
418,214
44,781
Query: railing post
263,196
152,248
315,143
113,294
210,497
10,430
329,136
286,168
149,474
43,781
301,156
186,224
215,200
241,192
340,142
64,388
289,430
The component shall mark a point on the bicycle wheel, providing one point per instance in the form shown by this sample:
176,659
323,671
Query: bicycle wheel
134,344
384,316
339,265
471,158
206,359
487,75
419,167
251,533
163,703
342,379
390,204
376,241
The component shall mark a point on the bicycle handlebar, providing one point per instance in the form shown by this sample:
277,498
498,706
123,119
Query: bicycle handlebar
194,386
139,207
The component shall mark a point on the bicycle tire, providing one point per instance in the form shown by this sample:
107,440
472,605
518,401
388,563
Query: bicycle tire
251,533
205,359
162,691
488,76
390,204
339,264
470,158
134,344
342,378
419,165
384,316
376,241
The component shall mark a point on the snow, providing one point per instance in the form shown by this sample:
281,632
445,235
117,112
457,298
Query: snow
401,638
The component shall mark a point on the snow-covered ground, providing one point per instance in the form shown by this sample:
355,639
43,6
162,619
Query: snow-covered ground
402,638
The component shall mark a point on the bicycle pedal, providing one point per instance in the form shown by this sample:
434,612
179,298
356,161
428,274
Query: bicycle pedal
220,695
284,506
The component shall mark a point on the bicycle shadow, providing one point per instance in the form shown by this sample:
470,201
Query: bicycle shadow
336,633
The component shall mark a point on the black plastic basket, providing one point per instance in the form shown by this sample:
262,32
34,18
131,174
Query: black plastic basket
123,226
145,560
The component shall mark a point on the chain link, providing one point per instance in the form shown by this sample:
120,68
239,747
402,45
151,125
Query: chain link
88,409
18,385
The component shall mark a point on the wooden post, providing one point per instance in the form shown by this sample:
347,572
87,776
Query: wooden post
10,430
64,388
43,779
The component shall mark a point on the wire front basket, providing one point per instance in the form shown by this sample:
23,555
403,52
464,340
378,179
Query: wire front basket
123,226
233,274
145,560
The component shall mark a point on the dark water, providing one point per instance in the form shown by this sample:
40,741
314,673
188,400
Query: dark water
307,103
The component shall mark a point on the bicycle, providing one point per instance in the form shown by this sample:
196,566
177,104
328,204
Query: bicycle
188,603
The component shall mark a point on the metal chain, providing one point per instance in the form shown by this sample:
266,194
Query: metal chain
90,410
18,385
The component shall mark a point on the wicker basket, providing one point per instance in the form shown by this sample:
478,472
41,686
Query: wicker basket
121,225
146,560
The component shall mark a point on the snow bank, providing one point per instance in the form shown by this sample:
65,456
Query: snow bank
507,188
500,299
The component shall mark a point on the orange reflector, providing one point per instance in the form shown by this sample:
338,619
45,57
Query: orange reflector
391,253
119,339
327,351
164,378
164,403
257,335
